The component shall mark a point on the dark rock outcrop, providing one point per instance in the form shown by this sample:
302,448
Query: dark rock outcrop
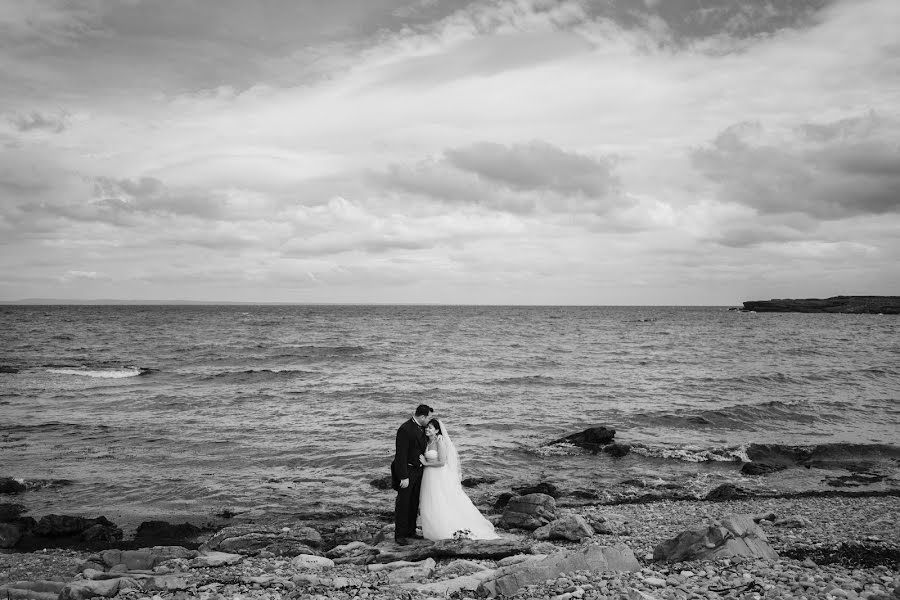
733,535
470,482
888,305
529,511
99,529
541,488
159,531
591,438
754,468
727,491
617,450
8,485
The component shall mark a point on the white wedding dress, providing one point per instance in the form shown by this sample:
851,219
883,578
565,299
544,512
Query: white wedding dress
444,506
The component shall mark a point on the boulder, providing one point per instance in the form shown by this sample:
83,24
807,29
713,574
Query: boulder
311,562
541,488
251,539
503,499
382,483
8,485
10,534
460,567
591,438
163,530
573,528
509,580
10,512
733,535
417,572
211,558
617,450
529,511
90,588
32,590
67,525
727,491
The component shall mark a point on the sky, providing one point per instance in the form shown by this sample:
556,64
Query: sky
605,152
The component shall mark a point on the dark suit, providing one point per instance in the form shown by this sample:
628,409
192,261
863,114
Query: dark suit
411,443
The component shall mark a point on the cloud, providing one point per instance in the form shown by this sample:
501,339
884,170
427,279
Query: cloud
39,121
831,170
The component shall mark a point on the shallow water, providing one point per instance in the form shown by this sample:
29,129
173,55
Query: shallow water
188,410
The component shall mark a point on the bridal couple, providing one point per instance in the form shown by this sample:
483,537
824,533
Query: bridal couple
426,475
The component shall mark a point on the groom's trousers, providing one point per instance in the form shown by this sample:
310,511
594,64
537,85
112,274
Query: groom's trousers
406,508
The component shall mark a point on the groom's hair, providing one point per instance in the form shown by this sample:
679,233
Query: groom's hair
423,410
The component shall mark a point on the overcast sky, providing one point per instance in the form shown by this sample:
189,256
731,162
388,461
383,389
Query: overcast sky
450,151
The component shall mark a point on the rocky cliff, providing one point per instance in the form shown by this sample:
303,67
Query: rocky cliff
888,305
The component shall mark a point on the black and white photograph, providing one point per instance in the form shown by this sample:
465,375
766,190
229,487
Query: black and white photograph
422,299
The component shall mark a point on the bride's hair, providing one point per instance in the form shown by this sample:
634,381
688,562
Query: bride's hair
436,424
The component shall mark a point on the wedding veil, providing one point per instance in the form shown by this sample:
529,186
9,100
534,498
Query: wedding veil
452,454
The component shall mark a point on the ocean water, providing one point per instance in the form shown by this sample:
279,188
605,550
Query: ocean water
139,412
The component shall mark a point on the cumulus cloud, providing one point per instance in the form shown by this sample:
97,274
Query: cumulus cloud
39,121
830,170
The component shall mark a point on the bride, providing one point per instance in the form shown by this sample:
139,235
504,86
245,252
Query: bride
444,506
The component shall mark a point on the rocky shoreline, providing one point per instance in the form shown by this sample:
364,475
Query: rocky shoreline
886,305
824,547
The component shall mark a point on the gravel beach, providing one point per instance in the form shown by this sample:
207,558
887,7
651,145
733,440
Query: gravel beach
829,547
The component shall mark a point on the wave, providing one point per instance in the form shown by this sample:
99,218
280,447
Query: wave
112,373
257,375
740,416
524,380
693,454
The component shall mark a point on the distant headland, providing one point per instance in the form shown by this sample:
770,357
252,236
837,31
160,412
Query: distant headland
886,305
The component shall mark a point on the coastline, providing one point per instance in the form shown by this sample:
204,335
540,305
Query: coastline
838,541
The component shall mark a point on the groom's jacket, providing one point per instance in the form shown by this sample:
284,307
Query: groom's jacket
411,443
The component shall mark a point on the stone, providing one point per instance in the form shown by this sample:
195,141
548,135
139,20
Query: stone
793,521
311,561
10,534
9,512
68,525
8,485
381,483
212,558
32,590
251,539
460,567
521,558
84,589
541,488
755,468
591,438
465,548
101,533
509,580
617,450
447,587
733,535
529,511
573,528
635,594
417,572
471,482
163,530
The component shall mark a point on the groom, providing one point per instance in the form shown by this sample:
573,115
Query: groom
406,473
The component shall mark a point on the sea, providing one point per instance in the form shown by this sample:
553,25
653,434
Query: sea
185,412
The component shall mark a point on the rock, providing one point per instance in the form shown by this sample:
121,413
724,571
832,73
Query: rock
503,499
727,491
769,516
887,305
251,539
10,534
591,438
168,583
8,485
81,590
541,488
67,525
163,530
312,562
212,558
573,528
460,567
32,590
508,580
448,587
617,450
479,549
733,535
353,553
754,468
521,558
101,533
529,512
471,482
417,572
635,594
10,512
143,559
793,521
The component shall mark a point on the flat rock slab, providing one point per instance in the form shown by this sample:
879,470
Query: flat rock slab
509,580
483,549
32,590
733,535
